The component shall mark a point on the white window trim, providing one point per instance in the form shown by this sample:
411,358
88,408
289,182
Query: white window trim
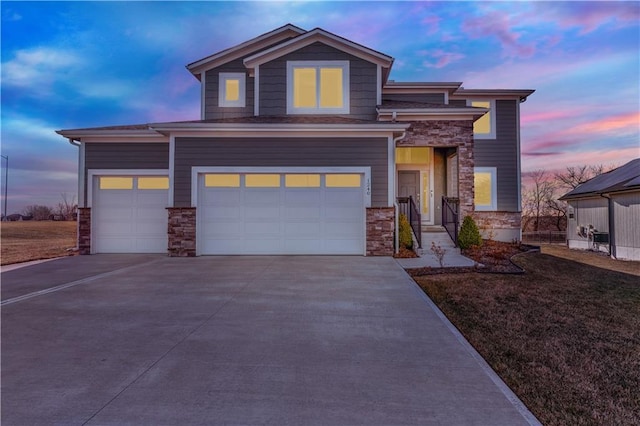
319,64
492,118
494,189
222,78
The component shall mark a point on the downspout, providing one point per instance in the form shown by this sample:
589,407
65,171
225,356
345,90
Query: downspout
611,224
80,178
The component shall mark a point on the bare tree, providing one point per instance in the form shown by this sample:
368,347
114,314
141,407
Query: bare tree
536,198
37,212
574,176
67,207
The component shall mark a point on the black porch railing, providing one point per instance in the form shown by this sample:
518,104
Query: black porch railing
408,207
450,219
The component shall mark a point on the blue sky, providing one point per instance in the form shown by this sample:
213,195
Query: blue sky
83,64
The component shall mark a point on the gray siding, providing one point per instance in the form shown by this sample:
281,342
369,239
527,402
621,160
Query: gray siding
626,216
502,153
430,98
588,212
212,111
125,156
278,152
362,76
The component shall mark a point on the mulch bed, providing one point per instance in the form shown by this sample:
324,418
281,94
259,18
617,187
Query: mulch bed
492,257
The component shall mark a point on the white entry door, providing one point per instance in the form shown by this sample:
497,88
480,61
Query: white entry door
129,214
281,213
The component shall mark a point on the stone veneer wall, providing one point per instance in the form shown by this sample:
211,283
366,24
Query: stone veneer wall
448,134
84,230
380,231
182,231
501,226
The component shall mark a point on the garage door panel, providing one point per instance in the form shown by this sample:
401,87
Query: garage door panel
294,219
302,196
219,213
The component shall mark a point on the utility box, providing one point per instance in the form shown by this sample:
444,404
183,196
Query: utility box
601,237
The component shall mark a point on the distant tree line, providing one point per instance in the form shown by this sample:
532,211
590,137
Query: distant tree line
541,209
64,210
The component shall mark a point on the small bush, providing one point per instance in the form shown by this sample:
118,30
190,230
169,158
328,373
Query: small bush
469,234
406,239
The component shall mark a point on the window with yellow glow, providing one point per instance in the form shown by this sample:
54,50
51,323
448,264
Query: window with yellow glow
262,181
302,181
155,182
421,155
317,87
222,181
116,182
342,181
231,89
484,127
485,188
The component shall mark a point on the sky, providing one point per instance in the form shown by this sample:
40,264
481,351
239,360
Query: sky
68,65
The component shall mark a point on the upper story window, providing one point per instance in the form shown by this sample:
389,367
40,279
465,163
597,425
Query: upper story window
231,89
318,87
485,126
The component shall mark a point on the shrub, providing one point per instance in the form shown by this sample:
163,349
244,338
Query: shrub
469,234
406,239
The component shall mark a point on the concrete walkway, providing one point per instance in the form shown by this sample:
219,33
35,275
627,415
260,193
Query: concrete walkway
265,340
427,258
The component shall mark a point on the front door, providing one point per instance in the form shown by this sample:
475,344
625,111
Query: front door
409,185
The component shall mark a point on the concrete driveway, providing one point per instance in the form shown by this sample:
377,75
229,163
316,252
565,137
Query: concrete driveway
151,340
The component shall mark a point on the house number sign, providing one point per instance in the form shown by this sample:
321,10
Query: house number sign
368,186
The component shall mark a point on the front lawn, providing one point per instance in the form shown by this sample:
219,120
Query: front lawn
565,336
35,240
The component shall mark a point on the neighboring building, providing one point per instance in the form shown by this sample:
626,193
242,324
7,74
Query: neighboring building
302,147
604,213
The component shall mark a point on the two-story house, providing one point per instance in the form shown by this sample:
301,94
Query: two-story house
303,147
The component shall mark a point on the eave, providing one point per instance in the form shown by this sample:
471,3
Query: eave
265,40
325,37
520,94
426,114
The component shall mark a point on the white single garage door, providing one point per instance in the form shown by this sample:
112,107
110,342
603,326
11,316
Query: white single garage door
281,213
129,214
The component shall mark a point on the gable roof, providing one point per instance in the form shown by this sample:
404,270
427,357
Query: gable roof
325,37
248,47
624,178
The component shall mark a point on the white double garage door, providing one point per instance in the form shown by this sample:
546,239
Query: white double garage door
261,211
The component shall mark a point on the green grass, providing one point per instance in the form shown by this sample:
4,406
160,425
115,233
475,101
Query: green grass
565,336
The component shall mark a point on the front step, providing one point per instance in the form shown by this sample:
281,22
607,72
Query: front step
440,238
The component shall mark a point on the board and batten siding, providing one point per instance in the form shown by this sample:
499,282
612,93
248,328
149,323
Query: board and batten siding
429,98
211,109
278,152
592,211
362,76
502,153
626,217
125,156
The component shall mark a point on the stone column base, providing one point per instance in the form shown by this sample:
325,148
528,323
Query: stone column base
499,226
84,230
182,232
380,231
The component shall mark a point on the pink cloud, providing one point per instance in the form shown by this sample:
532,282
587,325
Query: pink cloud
544,116
589,16
432,22
628,122
442,58
560,161
498,25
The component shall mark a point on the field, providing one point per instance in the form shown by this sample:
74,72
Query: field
565,336
31,240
